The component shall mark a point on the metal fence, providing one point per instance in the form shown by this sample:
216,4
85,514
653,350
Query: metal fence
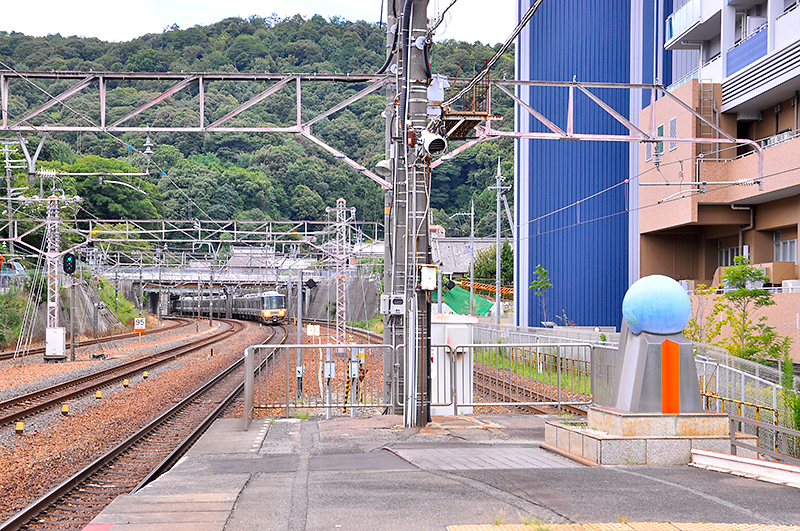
295,378
532,374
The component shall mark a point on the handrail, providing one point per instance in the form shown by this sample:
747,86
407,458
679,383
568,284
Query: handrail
734,419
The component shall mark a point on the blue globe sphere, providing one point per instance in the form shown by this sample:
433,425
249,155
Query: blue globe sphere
656,304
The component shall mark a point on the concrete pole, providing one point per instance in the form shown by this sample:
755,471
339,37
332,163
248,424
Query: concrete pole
498,307
72,319
472,257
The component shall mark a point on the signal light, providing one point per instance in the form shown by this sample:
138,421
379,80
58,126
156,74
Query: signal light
69,263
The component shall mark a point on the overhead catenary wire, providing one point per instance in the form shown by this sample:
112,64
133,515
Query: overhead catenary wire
91,122
496,57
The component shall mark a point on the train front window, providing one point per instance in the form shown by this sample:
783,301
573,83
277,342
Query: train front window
273,302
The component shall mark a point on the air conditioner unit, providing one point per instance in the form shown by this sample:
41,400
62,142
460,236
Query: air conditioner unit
790,286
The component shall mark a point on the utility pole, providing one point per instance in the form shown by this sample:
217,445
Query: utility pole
407,167
499,189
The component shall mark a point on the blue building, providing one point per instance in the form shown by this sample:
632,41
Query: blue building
575,206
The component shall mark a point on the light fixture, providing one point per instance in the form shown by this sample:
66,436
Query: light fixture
384,168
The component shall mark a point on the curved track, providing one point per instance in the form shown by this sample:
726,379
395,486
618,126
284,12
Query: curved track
135,461
18,408
86,342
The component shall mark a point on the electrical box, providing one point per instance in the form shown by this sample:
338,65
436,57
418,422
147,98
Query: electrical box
330,369
392,304
354,366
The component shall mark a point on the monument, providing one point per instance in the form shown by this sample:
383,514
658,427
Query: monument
656,414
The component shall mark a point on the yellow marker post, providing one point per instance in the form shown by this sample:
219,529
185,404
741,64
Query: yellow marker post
98,395
65,409
20,428
125,383
145,375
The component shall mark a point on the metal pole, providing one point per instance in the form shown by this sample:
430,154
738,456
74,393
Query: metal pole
299,365
498,307
439,291
472,257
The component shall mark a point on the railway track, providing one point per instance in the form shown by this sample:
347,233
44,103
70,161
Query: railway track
137,460
23,406
98,341
522,390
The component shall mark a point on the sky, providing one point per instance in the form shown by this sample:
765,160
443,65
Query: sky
467,20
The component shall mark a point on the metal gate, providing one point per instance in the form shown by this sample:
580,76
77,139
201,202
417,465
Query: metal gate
292,379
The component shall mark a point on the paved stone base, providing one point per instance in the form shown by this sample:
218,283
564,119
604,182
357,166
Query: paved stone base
607,449
625,424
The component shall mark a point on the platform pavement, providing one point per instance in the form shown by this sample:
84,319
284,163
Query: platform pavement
462,473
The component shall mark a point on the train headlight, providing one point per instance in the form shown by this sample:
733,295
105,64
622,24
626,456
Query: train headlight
281,312
267,313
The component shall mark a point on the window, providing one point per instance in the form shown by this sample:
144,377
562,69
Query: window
785,250
648,151
727,255
673,132
660,145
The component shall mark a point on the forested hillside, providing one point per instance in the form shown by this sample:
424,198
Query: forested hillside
244,176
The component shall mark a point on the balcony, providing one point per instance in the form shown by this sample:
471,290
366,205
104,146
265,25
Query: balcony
786,27
710,70
696,20
747,51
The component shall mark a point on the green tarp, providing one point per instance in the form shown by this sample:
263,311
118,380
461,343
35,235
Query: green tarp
458,301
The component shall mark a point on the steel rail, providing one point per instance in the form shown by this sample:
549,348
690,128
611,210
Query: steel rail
87,342
170,460
86,384
34,509
548,401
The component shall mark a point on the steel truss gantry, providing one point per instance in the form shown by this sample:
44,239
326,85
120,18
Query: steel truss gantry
34,120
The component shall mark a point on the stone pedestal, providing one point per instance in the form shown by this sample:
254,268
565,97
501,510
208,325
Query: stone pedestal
611,437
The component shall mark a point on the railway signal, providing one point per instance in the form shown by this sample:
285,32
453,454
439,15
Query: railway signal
69,263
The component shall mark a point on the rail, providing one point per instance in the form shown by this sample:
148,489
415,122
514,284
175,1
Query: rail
58,493
790,442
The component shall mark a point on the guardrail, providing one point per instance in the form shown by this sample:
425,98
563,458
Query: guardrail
789,443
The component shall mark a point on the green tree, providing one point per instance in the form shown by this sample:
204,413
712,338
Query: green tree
750,336
486,270
540,287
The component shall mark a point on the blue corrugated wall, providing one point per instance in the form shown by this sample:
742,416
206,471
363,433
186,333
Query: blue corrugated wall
583,246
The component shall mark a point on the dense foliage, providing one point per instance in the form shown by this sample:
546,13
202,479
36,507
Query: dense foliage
234,175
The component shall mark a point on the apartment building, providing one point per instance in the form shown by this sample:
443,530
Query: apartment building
703,204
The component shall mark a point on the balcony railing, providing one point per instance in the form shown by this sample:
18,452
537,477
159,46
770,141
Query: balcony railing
748,50
684,17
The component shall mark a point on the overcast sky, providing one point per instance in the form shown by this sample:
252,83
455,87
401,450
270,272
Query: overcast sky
468,20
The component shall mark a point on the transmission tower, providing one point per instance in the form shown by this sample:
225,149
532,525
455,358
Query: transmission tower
55,347
340,255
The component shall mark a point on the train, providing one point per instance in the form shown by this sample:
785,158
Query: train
268,307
